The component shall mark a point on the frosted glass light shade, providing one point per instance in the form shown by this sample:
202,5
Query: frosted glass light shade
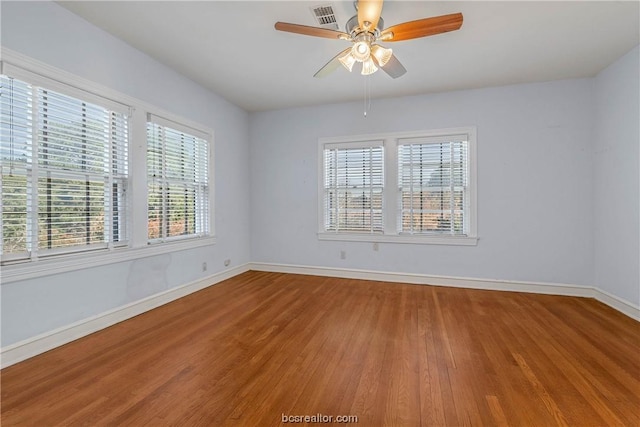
368,67
382,55
347,60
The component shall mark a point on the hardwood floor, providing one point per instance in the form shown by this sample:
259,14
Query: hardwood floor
260,345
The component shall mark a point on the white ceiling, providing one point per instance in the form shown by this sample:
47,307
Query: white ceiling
232,47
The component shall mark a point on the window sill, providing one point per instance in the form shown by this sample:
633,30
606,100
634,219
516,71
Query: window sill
411,239
78,261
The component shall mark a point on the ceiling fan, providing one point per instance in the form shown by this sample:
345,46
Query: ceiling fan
365,30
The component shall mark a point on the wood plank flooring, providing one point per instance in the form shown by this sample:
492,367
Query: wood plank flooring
260,345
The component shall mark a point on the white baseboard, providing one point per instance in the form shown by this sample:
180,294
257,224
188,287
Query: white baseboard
459,282
424,279
30,347
618,303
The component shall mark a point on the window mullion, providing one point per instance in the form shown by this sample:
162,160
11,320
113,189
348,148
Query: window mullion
390,186
137,199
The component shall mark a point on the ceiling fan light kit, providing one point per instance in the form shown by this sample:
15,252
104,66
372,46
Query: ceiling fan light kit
365,29
381,54
347,60
362,51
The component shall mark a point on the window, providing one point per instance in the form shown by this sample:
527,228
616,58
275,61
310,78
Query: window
178,181
353,189
433,182
416,187
75,187
64,162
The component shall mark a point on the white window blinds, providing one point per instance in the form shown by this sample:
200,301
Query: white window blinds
64,171
433,181
16,99
178,181
353,187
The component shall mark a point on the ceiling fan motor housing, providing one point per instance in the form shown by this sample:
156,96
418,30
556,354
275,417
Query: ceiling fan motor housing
353,27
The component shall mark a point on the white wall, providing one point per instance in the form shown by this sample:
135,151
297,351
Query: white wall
51,34
535,173
617,179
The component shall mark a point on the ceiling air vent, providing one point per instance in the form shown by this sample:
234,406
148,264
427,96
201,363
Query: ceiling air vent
325,17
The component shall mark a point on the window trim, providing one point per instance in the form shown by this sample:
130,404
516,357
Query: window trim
390,142
138,247
194,129
35,171
369,144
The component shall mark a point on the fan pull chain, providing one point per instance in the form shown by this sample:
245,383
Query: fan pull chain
367,94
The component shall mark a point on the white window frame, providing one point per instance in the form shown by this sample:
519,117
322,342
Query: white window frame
35,171
138,247
390,199
354,145
190,128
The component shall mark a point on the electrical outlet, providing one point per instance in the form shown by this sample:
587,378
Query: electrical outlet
376,246
343,254
204,266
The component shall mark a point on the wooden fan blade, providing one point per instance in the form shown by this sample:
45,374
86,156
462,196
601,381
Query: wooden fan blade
331,66
422,28
393,67
310,31
369,11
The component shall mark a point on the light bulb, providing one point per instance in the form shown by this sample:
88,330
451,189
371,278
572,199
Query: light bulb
347,60
382,55
361,51
368,67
